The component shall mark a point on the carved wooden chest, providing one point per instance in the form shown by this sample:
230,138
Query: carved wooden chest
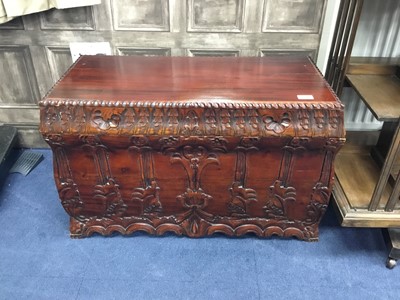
193,145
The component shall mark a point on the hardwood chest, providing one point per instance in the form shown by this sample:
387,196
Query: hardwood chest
194,146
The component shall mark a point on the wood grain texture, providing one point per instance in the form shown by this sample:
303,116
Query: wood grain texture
381,93
373,65
358,175
193,145
162,79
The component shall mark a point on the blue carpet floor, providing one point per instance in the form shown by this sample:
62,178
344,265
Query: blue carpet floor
38,260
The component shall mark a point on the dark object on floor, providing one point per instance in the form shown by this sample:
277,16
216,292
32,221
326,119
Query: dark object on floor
27,161
392,239
201,146
8,139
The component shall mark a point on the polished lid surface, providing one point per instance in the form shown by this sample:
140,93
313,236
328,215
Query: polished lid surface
181,79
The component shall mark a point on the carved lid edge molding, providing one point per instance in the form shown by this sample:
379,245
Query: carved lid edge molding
193,104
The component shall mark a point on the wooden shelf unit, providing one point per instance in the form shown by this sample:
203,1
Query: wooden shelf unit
359,178
365,178
380,93
355,180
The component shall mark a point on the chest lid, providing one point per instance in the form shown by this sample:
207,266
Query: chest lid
203,81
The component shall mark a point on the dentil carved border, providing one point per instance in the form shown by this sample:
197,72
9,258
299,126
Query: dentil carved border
268,120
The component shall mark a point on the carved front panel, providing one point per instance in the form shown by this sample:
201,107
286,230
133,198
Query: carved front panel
194,185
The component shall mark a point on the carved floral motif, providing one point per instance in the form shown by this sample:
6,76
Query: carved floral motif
210,122
281,193
107,190
276,126
242,196
109,194
51,116
158,118
240,121
105,124
67,188
70,198
79,119
319,117
226,125
191,124
172,121
148,194
304,119
194,159
334,119
129,117
281,197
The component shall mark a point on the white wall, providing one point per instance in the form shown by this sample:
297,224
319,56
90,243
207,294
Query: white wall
328,28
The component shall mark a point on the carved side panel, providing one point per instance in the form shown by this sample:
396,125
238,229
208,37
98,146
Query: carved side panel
67,188
78,18
215,16
322,189
292,16
19,85
148,193
139,15
282,193
107,190
242,196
